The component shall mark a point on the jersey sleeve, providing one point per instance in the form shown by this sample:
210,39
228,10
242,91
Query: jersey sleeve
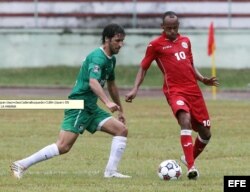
95,69
112,75
150,55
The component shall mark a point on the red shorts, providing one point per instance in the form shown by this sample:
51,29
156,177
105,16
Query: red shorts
195,105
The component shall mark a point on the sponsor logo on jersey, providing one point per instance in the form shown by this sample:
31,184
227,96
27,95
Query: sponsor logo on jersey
167,47
180,102
184,45
96,69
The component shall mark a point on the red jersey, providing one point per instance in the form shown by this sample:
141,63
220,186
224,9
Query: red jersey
175,60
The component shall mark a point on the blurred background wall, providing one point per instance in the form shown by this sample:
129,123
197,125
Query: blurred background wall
36,33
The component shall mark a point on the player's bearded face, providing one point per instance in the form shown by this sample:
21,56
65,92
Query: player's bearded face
116,43
170,27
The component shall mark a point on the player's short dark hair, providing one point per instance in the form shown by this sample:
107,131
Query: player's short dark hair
111,30
168,13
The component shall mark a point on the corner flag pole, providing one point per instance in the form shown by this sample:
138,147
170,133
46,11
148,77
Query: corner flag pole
211,52
214,91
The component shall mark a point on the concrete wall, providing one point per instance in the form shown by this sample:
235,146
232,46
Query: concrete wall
38,48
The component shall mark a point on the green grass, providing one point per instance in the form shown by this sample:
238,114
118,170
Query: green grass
153,137
65,76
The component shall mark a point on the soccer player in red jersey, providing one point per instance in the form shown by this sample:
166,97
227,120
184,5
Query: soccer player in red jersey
173,55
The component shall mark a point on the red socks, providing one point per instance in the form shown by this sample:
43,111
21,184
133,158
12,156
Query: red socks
199,146
191,151
187,146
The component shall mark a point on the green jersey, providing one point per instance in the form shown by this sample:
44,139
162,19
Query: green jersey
99,66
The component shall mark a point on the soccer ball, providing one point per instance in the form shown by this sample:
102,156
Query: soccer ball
169,170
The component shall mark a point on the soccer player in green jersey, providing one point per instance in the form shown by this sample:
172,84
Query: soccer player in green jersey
97,68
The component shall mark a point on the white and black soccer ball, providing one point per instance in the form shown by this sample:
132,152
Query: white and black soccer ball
169,170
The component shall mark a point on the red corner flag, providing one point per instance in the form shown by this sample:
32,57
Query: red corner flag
210,52
211,41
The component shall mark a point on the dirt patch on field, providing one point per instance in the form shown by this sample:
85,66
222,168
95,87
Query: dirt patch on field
43,92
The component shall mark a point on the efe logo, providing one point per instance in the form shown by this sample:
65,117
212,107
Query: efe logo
236,183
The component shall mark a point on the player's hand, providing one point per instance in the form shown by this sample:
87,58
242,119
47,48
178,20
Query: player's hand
212,81
130,95
113,107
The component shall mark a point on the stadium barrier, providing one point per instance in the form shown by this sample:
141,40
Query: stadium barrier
52,47
129,13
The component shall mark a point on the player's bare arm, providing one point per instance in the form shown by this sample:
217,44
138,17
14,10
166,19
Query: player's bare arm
114,94
138,81
210,81
98,90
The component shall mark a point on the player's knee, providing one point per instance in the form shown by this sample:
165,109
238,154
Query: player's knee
64,148
185,124
122,131
125,132
184,119
206,135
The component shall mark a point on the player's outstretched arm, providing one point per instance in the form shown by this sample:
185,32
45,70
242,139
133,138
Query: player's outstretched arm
210,81
138,81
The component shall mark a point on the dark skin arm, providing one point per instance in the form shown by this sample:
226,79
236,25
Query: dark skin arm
209,81
138,81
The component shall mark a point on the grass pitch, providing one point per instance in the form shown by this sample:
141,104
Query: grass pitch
237,79
153,137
